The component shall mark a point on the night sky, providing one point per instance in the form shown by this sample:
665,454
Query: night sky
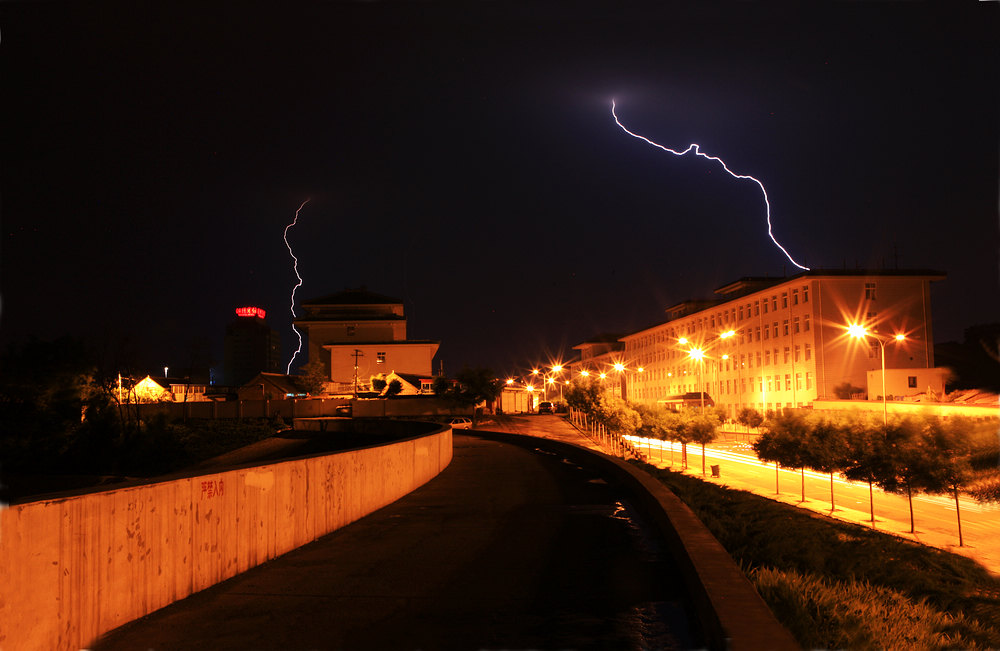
464,159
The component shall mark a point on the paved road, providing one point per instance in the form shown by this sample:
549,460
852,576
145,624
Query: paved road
509,547
935,517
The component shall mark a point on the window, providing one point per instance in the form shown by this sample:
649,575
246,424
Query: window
743,385
767,358
756,308
809,352
767,332
795,325
775,326
741,313
795,297
758,333
788,383
770,384
805,294
787,354
869,291
784,300
911,381
758,359
798,381
873,349
798,353
774,303
743,362
805,323
784,327
765,306
809,380
380,358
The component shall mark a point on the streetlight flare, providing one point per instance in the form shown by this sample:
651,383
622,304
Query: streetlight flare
619,367
682,340
856,330
696,353
727,335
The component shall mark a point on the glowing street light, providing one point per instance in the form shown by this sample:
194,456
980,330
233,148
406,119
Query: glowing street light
858,331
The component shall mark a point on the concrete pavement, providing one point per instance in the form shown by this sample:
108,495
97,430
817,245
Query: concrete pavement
508,548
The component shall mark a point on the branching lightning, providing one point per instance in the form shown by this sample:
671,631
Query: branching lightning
295,267
694,148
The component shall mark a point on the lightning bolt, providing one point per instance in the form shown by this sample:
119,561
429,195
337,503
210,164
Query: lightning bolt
694,148
295,267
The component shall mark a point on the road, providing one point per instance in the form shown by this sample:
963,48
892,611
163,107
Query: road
509,547
935,515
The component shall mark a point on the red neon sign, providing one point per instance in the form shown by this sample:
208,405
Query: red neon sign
250,311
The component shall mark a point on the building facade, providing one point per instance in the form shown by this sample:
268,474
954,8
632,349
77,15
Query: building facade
250,347
358,334
770,343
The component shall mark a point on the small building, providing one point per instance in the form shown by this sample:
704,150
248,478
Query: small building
271,386
904,383
412,384
150,389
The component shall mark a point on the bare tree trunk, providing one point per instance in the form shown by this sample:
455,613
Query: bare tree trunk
871,501
803,470
831,492
958,515
909,498
776,490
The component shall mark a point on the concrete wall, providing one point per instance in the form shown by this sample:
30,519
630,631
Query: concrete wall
72,568
943,409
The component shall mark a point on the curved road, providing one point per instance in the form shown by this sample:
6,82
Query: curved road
510,547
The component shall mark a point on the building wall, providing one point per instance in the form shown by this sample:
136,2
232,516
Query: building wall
789,346
415,358
898,381
250,347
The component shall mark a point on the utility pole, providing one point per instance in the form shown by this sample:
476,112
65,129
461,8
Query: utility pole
357,353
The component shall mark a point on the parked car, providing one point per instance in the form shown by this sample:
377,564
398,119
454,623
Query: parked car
343,410
545,407
461,423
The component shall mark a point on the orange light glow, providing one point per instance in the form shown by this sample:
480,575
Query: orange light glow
619,367
856,330
696,353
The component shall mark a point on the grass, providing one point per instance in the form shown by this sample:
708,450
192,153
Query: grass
839,585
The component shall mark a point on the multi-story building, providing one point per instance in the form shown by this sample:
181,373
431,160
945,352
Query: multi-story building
767,343
358,334
250,347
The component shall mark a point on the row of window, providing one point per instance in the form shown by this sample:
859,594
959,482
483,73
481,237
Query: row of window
803,381
788,354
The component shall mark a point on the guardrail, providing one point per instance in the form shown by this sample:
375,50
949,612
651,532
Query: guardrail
74,567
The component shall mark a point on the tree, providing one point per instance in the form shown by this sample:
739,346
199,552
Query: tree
749,417
378,384
470,387
394,388
950,467
702,428
785,441
845,390
867,457
827,447
313,377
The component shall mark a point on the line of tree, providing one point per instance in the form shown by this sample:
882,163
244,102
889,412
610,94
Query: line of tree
622,418
908,454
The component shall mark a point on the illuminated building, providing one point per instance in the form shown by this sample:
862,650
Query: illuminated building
250,347
598,355
358,334
768,343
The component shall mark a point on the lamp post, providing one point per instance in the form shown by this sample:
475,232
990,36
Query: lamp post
699,354
860,332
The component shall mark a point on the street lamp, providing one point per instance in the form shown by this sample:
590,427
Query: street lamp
859,332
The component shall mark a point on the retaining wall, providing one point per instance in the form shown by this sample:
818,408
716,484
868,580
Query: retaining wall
72,568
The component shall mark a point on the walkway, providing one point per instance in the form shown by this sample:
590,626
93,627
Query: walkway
509,547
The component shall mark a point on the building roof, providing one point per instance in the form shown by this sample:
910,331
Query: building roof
348,318
283,382
750,284
360,296
398,342
603,338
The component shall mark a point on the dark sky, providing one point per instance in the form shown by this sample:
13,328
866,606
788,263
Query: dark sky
463,158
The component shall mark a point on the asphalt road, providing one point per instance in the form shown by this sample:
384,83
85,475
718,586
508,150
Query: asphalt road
509,547
934,515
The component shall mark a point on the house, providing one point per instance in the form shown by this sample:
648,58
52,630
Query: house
359,334
270,386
